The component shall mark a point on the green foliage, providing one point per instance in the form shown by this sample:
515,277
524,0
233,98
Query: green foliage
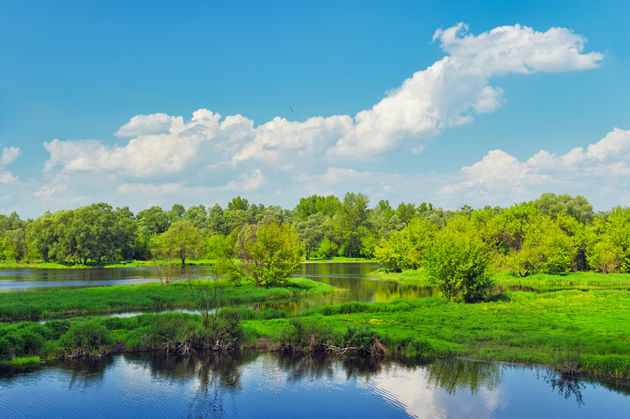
182,240
87,337
238,203
546,248
172,328
457,263
605,257
577,207
270,252
553,234
405,249
152,296
327,249
311,233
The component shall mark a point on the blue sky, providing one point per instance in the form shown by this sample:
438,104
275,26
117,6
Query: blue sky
74,74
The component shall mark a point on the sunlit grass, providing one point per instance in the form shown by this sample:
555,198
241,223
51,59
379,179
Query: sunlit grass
151,296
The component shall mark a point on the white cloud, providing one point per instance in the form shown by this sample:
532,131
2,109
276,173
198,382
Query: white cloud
7,178
157,123
211,158
9,155
448,93
603,168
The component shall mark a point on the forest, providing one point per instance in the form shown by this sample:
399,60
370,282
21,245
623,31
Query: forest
553,234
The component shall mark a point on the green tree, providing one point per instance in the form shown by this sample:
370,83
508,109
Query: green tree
182,240
605,257
352,215
311,233
406,212
238,203
405,249
546,248
457,262
578,207
176,213
327,249
198,216
270,252
216,220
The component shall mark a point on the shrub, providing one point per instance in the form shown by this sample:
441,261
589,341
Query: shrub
457,262
88,337
58,328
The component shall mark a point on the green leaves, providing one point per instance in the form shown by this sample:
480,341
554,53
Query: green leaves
270,252
182,240
457,262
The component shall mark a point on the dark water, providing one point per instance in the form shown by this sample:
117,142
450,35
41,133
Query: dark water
266,385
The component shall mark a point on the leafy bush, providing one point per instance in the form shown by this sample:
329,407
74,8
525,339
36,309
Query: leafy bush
57,327
88,337
457,262
171,328
605,257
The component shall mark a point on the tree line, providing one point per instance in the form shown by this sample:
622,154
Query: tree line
553,234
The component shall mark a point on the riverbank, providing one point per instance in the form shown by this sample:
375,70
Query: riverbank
340,259
573,332
113,264
35,305
150,263
573,280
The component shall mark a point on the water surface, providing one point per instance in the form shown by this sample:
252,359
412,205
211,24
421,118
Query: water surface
266,385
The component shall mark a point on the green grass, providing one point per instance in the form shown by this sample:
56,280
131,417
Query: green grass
22,361
575,331
573,280
584,331
152,296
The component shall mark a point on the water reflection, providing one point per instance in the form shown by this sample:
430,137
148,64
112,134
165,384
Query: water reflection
252,384
24,279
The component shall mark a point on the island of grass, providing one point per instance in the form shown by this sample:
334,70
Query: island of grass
572,331
35,305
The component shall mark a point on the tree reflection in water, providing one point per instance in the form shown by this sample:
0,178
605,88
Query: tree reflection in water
566,385
212,385
454,374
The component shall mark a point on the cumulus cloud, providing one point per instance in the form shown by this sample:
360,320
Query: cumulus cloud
452,90
603,166
448,93
8,156
165,158
7,178
157,123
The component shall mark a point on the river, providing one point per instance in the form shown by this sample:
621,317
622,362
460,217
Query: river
266,385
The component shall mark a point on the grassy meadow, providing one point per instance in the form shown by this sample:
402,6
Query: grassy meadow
48,304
